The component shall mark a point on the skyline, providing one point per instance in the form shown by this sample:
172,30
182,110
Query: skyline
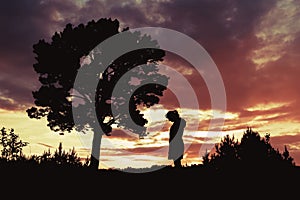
254,44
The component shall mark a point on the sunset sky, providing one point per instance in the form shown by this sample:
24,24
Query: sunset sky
255,45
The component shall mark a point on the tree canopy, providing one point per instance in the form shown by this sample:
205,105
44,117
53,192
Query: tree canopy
252,151
12,146
74,49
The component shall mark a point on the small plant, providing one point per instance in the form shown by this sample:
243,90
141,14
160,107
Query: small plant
12,146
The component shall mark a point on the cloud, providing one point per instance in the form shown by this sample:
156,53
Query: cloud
40,19
23,23
277,29
240,37
123,135
192,153
292,142
119,151
266,106
46,145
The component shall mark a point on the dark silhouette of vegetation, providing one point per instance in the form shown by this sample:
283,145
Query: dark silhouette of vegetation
61,158
59,61
253,151
227,169
12,146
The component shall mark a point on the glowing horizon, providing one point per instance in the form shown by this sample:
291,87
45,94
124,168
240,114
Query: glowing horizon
255,46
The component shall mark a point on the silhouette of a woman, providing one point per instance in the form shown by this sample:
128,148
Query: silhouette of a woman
176,145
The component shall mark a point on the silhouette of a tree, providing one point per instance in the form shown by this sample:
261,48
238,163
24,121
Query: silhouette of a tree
11,144
206,158
286,156
252,151
61,158
226,152
73,49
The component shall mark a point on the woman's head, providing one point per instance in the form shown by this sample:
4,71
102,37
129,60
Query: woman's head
172,115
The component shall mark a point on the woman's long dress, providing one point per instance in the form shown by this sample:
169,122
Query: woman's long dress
176,145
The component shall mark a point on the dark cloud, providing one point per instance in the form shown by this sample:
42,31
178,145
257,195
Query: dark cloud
158,127
195,138
147,150
129,14
24,23
153,150
122,134
225,28
45,145
284,140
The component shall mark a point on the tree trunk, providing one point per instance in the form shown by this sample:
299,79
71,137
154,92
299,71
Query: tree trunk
95,156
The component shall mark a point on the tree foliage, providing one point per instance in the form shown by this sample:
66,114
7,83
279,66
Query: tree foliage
253,150
74,49
11,144
61,158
